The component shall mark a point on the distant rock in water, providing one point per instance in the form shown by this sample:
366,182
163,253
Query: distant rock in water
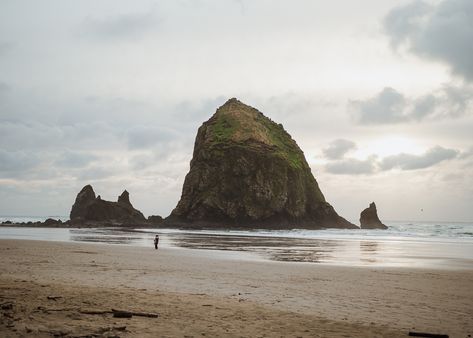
369,218
247,171
155,219
52,222
87,207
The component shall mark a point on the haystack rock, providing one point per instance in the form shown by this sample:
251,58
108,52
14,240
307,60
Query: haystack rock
87,207
247,171
369,218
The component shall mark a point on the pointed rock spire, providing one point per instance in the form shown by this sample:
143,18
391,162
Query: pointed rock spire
369,218
84,198
124,198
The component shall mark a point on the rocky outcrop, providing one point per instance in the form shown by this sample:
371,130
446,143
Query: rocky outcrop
88,208
124,198
155,219
247,171
369,218
52,222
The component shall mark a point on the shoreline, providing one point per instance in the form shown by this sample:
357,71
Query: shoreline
361,300
328,248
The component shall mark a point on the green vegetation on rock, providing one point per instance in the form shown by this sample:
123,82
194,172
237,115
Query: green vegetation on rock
235,123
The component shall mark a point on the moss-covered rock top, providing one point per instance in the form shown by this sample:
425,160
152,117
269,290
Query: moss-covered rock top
236,123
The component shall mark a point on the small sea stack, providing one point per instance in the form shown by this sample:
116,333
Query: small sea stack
369,218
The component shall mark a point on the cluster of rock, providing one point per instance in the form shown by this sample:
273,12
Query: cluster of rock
89,208
50,222
246,172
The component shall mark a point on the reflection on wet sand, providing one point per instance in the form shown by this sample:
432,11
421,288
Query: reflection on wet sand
279,249
368,251
339,251
285,249
110,236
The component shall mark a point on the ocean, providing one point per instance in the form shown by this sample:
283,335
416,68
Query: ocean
404,244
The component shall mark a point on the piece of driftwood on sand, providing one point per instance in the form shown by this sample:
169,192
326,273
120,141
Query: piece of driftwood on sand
120,313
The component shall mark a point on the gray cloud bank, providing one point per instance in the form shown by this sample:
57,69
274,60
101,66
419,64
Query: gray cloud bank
443,32
12,162
338,148
430,158
352,166
440,32
402,161
391,106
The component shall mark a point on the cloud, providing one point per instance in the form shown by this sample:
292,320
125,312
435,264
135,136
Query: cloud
390,106
140,137
96,173
74,159
352,166
49,164
385,107
4,88
442,32
128,26
402,161
5,47
16,163
403,21
40,136
466,154
405,161
457,100
338,148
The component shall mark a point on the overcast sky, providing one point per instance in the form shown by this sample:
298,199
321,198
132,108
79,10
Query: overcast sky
377,93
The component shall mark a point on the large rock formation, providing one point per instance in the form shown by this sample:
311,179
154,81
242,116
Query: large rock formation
88,208
247,171
369,218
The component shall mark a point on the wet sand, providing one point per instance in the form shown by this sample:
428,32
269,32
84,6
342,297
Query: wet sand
199,292
352,249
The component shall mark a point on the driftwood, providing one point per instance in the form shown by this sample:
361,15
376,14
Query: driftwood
139,314
427,335
54,297
120,313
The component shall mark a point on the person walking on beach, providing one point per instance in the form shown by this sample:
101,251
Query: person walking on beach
156,242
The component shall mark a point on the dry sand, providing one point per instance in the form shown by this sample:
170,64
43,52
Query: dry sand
202,293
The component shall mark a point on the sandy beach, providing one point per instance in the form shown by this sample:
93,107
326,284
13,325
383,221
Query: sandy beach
206,293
